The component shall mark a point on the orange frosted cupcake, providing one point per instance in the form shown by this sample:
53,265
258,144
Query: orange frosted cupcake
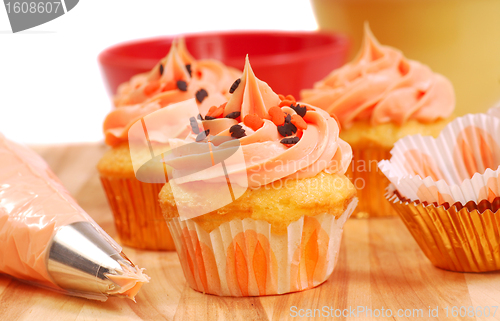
278,227
175,78
380,97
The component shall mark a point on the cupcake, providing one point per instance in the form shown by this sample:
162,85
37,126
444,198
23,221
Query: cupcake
447,191
177,77
379,98
284,164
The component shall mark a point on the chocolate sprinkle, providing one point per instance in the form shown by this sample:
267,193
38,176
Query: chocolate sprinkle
194,125
209,118
161,69
188,68
287,129
290,140
182,85
235,85
201,136
300,110
233,115
237,131
200,117
201,95
288,118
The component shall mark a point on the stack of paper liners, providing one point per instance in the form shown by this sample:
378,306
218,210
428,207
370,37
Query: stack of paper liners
456,238
461,165
244,258
459,168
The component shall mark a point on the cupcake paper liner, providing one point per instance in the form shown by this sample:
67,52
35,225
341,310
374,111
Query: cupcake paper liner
369,181
456,238
461,165
244,258
137,213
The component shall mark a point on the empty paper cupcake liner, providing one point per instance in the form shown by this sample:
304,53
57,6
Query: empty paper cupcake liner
244,258
454,237
461,165
137,213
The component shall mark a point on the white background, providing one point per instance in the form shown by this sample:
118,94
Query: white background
51,90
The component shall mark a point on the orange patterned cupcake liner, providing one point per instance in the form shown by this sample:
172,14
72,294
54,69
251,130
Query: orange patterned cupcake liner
369,181
456,238
244,258
138,217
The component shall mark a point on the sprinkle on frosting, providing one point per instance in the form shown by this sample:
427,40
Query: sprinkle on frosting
287,129
188,68
200,117
300,110
201,95
182,85
233,115
277,115
381,86
290,140
161,69
237,131
234,85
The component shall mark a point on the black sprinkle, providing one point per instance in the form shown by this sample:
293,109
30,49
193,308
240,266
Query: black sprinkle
194,125
237,131
300,110
290,140
235,85
233,115
188,68
201,95
209,118
200,117
201,136
288,118
182,85
287,129
161,69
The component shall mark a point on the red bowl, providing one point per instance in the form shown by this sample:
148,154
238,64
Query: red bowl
287,61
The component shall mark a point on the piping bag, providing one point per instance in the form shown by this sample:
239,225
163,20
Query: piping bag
48,240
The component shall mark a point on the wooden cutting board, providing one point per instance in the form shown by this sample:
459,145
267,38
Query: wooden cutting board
380,266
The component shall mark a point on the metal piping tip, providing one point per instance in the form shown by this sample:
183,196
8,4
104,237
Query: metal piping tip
82,261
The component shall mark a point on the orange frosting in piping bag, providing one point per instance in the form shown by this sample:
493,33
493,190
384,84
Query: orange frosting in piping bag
267,156
381,86
148,92
33,206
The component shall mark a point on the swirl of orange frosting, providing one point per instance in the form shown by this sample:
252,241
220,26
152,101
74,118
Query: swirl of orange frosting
266,157
137,98
382,86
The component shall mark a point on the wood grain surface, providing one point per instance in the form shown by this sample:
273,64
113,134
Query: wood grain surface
380,266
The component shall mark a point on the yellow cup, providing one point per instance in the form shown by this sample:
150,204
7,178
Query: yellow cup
457,38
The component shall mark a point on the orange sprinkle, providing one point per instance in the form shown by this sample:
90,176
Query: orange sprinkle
277,115
299,133
286,102
299,122
253,121
151,87
281,97
337,120
290,97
